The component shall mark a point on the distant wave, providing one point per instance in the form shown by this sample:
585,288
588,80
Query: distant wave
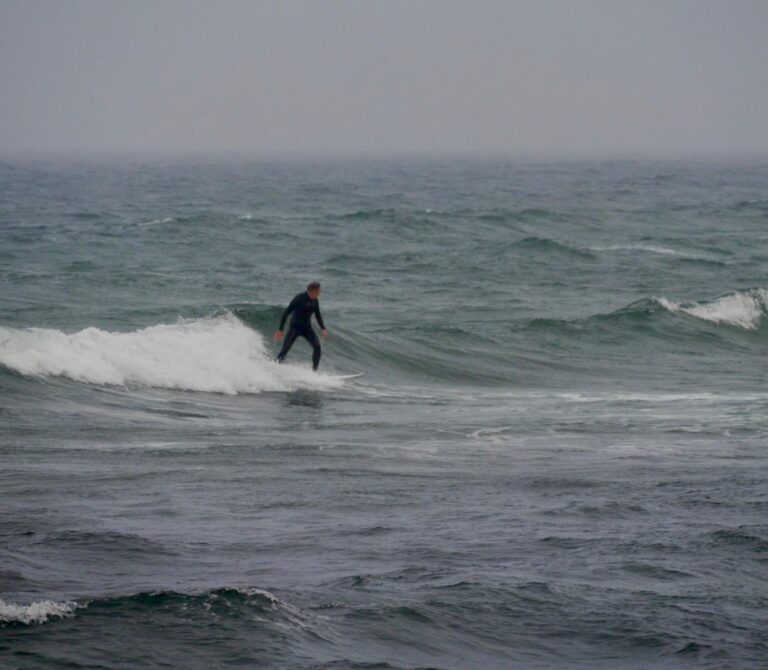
215,354
155,222
526,219
655,249
742,309
530,215
546,244
109,541
745,310
201,217
367,214
254,598
250,598
638,247
757,204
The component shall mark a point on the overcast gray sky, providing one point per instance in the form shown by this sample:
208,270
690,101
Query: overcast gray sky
648,77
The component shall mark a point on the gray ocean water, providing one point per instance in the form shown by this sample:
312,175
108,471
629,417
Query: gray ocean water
556,457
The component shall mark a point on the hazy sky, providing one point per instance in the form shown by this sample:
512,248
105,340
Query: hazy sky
667,77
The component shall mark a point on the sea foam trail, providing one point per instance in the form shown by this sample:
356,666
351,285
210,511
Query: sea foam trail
666,251
744,309
217,354
37,612
655,249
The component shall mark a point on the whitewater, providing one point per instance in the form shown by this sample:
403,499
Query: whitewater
217,354
746,309
555,457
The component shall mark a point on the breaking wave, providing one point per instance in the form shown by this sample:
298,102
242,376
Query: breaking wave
745,310
228,599
742,309
36,612
216,354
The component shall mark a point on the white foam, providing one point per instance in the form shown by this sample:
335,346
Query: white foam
744,309
639,247
37,612
252,591
652,249
155,222
216,354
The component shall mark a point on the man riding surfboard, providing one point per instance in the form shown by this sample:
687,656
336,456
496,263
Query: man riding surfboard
302,307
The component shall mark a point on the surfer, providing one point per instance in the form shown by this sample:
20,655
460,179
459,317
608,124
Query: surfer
303,306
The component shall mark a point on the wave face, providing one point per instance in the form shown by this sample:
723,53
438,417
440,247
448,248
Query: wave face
218,355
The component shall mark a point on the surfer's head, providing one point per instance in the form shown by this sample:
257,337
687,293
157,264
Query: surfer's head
313,289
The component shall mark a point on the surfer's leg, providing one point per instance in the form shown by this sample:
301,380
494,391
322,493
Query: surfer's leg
290,338
311,337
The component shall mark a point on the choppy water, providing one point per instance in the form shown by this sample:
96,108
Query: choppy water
556,457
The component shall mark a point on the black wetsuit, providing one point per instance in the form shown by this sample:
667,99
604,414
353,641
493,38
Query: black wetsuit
302,307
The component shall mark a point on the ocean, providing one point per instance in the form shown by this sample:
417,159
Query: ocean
556,456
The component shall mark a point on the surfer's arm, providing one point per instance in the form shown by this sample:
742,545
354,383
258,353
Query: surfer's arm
319,316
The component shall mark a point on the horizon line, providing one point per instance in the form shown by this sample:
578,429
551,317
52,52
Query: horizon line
261,155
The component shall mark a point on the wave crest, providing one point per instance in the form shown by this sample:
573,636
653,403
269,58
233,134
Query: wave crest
36,612
743,309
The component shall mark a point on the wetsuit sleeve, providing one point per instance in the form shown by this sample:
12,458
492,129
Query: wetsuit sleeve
294,303
319,316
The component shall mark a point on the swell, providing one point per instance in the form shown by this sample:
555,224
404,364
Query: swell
739,317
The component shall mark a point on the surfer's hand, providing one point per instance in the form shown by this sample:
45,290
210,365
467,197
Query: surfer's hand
278,335
324,332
